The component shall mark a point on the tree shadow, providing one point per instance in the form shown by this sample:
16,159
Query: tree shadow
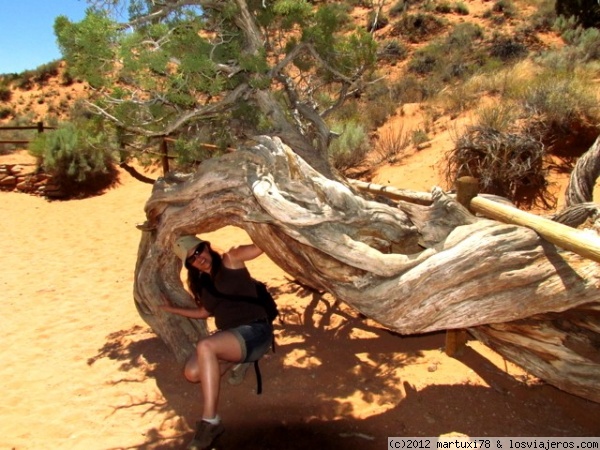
337,380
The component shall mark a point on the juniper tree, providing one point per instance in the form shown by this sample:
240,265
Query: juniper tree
219,72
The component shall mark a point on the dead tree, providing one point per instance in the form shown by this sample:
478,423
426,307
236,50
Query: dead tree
413,268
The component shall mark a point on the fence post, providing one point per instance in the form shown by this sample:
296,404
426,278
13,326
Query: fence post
165,156
466,189
40,127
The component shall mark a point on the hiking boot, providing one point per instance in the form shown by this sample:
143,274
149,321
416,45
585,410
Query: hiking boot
238,373
206,434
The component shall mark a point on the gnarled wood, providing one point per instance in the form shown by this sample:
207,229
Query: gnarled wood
584,176
413,268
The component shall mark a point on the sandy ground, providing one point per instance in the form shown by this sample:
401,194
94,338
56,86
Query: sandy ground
80,370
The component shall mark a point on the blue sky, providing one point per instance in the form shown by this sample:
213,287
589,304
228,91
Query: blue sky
27,31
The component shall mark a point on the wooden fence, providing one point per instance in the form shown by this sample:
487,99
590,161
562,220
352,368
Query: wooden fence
39,127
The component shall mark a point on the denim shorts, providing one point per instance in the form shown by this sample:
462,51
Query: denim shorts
255,339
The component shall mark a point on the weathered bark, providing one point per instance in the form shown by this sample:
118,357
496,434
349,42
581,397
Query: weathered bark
581,182
413,268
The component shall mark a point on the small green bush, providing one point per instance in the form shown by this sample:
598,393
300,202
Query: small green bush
584,41
349,149
461,9
79,162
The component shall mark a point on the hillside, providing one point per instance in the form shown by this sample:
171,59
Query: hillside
48,94
83,371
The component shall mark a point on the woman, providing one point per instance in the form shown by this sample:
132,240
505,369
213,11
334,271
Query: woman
244,335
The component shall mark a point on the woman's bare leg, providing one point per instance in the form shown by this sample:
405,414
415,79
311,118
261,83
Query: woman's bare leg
205,367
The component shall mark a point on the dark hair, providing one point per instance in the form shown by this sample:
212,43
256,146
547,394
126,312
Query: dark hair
197,279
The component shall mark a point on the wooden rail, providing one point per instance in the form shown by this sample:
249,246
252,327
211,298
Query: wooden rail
574,240
38,126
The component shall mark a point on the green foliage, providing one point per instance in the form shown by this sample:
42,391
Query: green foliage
461,9
88,46
198,67
77,158
419,136
584,42
561,103
348,151
455,57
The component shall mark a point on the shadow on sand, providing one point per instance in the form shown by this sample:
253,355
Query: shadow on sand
320,372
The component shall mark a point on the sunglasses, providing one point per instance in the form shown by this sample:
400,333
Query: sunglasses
199,249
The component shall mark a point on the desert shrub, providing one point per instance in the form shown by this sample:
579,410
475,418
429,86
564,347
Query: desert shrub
456,99
563,106
427,59
444,7
392,51
418,27
350,148
80,162
419,136
408,89
24,83
463,36
5,93
46,71
401,6
376,21
380,105
542,20
509,164
507,48
461,9
455,57
499,117
6,112
391,143
584,42
506,7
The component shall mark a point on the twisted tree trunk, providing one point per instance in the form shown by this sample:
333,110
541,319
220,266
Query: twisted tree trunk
412,268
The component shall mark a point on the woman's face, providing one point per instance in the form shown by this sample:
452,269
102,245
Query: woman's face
200,258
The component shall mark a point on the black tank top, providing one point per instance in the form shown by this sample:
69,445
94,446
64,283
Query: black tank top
231,313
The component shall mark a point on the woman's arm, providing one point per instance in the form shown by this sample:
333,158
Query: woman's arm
237,256
192,313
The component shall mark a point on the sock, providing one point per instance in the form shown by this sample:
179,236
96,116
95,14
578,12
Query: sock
214,421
